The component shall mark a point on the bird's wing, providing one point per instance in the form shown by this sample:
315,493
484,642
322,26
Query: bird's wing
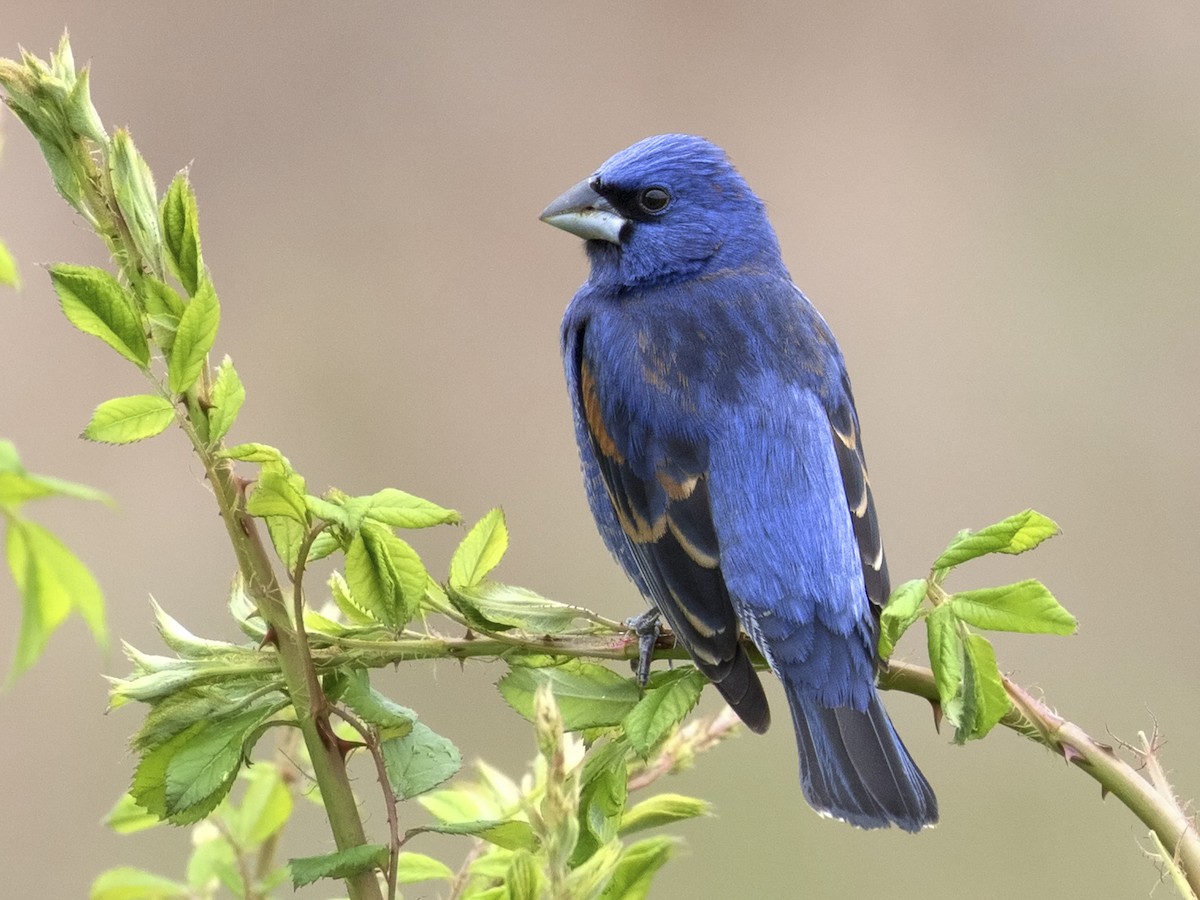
798,537
666,541
843,421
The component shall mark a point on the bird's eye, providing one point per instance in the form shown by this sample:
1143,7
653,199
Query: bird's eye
654,199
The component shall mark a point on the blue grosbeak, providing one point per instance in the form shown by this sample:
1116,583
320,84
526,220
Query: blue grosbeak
723,462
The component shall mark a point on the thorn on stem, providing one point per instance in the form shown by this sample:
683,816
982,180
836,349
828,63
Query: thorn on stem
937,715
1070,753
271,637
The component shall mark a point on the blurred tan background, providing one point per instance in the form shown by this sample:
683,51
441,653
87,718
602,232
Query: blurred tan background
995,206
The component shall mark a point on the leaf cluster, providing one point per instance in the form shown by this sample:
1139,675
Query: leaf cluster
970,687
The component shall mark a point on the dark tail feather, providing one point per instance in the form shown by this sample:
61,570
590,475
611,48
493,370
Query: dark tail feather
854,767
742,690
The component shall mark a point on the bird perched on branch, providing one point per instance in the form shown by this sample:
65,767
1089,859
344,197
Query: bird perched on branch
724,465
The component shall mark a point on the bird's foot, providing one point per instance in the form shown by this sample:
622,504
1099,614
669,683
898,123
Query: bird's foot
647,627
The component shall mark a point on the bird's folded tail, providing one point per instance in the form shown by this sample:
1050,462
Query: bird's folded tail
854,767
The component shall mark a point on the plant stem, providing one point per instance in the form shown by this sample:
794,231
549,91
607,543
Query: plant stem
1154,804
304,688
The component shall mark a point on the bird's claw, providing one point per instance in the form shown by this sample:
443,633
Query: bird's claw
648,628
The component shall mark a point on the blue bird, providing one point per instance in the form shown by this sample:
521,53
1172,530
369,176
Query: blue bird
723,462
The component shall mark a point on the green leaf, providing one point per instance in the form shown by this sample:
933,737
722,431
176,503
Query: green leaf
385,575
945,657
181,234
278,494
902,609
985,701
199,774
124,420
603,793
96,304
149,787
498,606
588,695
194,338
265,808
663,809
127,817
399,510
17,485
128,883
1016,534
480,551
136,195
255,453
662,708
511,835
636,870
523,880
164,307
392,719
52,582
1027,606
414,867
342,864
339,590
9,276
286,536
592,875
214,861
228,394
419,761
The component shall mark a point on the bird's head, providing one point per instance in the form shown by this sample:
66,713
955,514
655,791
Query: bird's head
668,207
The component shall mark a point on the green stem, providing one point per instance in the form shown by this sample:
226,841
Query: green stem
1154,804
304,688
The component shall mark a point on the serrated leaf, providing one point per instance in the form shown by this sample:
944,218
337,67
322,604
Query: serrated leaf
945,657
9,276
662,708
500,606
603,793
1027,607
386,576
419,761
1016,534
286,536
511,835
342,864
636,870
194,338
414,867
129,883
255,453
480,550
199,774
339,590
276,493
588,695
149,787
399,510
523,879
586,880
95,303
125,420
136,196
392,719
985,701
902,609
181,233
228,394
127,817
663,809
